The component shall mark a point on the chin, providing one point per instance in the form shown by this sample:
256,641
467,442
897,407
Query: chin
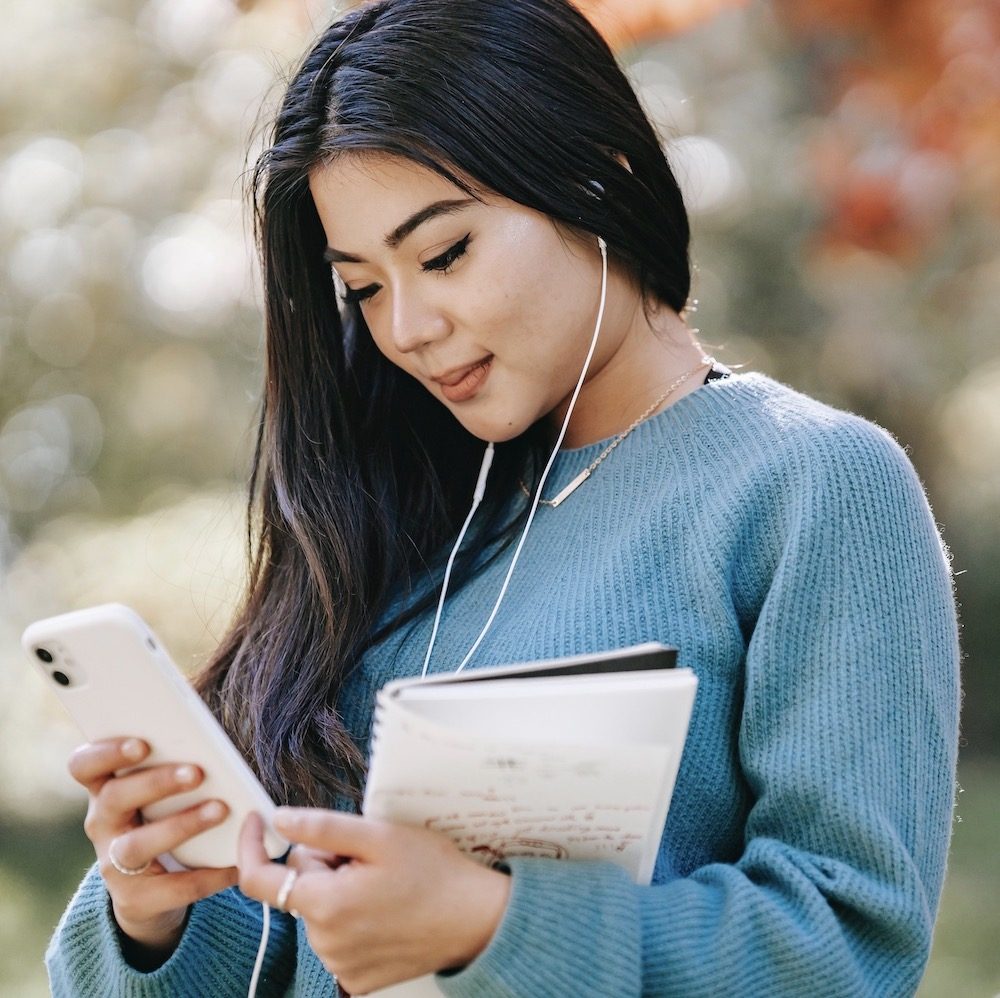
497,430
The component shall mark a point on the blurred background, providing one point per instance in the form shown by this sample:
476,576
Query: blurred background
841,162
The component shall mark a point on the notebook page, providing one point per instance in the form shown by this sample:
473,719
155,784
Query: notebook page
496,798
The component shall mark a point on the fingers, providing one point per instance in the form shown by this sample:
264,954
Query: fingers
115,806
91,765
328,839
135,791
141,845
332,831
250,847
148,908
259,877
306,859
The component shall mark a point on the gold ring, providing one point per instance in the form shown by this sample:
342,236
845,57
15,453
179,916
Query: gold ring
128,871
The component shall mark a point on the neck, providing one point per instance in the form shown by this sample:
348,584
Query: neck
632,371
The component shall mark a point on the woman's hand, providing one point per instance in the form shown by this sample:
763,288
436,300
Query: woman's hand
151,907
381,903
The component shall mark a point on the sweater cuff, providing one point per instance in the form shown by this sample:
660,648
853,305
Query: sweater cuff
219,944
570,927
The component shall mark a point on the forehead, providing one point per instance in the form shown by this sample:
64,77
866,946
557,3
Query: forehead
362,196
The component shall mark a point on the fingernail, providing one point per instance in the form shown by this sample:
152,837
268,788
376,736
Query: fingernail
132,748
213,810
186,774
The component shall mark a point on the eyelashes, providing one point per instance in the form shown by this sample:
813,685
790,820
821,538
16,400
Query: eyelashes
449,257
441,264
356,297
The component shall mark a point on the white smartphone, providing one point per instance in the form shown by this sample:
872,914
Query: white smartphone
116,680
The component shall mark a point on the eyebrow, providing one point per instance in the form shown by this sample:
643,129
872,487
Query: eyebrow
396,237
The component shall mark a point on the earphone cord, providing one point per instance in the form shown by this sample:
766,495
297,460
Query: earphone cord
261,950
477,498
481,486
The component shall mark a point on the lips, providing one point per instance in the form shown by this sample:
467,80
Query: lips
460,384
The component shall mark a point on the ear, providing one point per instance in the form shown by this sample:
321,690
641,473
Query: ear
596,189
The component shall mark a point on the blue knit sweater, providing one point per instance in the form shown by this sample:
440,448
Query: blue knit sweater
787,549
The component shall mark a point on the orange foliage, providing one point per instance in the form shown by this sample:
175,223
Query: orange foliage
626,22
911,94
913,123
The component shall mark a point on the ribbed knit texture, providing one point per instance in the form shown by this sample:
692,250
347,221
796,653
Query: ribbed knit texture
787,549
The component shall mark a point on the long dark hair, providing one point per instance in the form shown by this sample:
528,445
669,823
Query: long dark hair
360,476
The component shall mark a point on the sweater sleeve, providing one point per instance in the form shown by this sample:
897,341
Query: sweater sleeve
215,956
847,740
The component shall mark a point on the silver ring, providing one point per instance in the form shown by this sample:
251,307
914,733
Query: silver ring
286,889
128,871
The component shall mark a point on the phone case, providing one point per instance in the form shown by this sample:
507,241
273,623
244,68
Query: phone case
115,679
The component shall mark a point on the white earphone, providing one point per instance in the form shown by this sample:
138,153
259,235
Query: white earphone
477,498
480,490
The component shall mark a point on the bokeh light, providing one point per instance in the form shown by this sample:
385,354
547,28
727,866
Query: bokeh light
195,267
40,183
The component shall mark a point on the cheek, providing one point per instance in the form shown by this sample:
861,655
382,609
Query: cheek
553,320
527,311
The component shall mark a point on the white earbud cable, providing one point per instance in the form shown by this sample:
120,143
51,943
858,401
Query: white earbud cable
261,950
538,492
477,498
551,461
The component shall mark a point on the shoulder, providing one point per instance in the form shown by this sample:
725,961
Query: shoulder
778,467
774,411
766,429
825,498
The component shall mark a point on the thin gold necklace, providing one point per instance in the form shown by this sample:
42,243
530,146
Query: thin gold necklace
588,471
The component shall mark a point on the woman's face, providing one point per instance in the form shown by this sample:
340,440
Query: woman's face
483,303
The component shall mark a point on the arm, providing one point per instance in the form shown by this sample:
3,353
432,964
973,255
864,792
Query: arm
847,739
215,955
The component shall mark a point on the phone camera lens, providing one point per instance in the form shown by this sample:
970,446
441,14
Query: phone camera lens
44,654
61,678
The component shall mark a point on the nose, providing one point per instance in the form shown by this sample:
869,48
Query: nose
416,322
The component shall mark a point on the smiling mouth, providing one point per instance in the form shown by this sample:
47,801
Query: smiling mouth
465,383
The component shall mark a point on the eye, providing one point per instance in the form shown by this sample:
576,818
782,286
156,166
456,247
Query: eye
362,294
440,264
450,256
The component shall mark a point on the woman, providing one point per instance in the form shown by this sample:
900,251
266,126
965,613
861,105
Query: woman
512,251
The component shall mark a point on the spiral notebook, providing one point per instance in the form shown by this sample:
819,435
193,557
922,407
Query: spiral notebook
571,758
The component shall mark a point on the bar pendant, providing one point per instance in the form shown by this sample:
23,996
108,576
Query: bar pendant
572,487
